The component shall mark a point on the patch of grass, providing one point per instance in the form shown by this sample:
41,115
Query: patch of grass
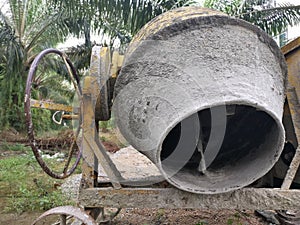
35,199
26,186
202,223
115,137
236,219
15,147
230,221
109,125
50,133
103,138
160,213
57,165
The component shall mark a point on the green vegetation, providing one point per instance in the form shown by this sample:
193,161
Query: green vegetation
201,223
27,27
160,213
30,26
113,136
106,126
16,147
23,183
274,19
37,199
236,219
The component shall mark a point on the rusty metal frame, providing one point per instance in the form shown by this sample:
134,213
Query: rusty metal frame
150,197
50,105
292,52
92,146
94,196
97,196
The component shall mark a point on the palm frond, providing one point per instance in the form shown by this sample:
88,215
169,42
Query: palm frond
274,20
41,29
80,55
116,18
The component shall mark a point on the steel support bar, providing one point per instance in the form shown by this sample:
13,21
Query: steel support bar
293,93
295,109
246,198
70,117
91,144
50,105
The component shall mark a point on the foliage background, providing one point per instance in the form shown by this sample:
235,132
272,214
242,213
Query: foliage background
29,26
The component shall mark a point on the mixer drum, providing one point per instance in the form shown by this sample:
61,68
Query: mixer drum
201,94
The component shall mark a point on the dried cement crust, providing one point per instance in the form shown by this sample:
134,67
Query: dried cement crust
191,59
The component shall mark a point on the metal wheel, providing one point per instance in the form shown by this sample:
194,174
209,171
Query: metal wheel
68,167
65,215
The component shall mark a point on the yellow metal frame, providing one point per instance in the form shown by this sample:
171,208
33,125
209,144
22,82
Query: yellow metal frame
50,105
292,56
118,196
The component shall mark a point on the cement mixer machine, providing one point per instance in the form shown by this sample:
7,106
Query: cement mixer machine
207,98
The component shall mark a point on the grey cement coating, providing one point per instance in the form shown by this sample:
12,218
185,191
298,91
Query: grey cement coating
194,63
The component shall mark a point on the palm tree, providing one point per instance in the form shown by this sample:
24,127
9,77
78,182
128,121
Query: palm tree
118,18
25,29
33,25
122,19
30,26
270,17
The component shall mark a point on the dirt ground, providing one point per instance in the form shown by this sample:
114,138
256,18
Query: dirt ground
146,216
186,216
159,217
15,219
